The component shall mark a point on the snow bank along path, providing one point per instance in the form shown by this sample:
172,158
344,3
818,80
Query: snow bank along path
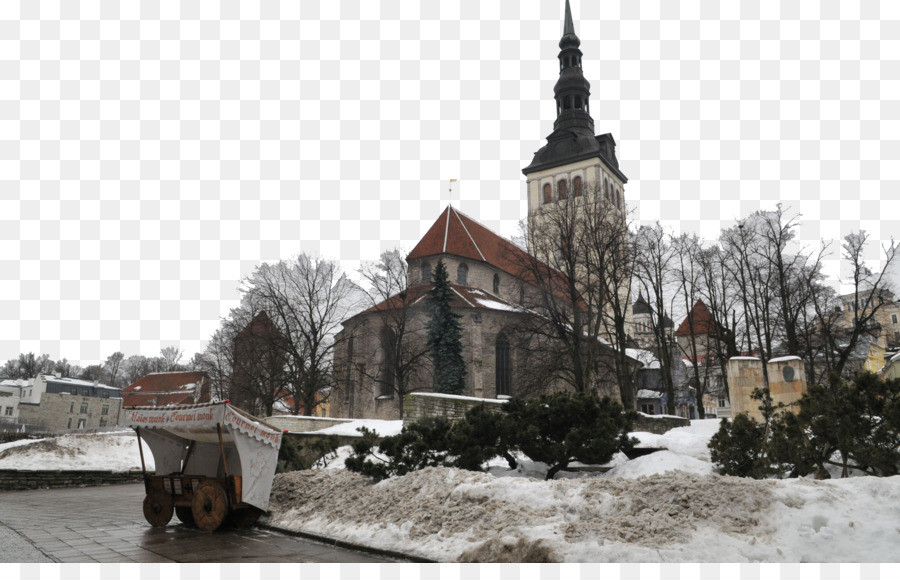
115,451
455,515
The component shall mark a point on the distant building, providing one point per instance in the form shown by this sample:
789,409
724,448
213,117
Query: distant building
56,403
885,327
11,391
172,388
642,315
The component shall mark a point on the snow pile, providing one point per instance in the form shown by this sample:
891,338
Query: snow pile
116,451
668,506
455,515
383,428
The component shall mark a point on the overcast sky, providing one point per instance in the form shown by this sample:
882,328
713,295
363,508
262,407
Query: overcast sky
151,155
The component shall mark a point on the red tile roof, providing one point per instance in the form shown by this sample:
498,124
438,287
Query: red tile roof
457,234
161,389
704,323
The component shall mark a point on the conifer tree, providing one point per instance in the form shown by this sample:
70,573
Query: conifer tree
445,336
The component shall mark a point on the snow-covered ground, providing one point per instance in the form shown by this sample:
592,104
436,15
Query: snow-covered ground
114,451
668,506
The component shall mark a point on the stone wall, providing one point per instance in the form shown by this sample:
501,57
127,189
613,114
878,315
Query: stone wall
658,425
420,405
16,479
787,382
303,424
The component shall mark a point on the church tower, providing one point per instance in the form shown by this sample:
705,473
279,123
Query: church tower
574,161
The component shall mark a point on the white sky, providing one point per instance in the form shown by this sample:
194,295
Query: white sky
156,154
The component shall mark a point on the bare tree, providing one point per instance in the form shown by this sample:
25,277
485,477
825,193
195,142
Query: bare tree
111,368
399,338
306,299
171,356
577,271
871,291
653,269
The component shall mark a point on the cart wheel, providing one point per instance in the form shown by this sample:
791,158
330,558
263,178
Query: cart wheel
244,518
158,507
210,505
186,515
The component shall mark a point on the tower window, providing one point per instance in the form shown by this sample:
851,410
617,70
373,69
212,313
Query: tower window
497,284
426,272
567,102
462,275
563,189
578,187
577,101
548,193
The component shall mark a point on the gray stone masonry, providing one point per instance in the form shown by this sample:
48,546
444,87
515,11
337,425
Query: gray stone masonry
14,479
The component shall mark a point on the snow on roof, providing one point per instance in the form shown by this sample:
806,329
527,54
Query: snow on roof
645,357
743,358
784,359
648,394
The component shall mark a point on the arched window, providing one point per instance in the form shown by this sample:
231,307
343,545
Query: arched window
387,380
548,193
426,272
462,275
503,368
497,284
562,189
619,198
578,187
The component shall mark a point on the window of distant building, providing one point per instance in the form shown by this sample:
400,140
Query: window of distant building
69,424
426,272
562,189
81,423
84,407
72,407
578,186
104,410
8,411
462,275
647,409
503,369
548,193
103,422
497,284
893,319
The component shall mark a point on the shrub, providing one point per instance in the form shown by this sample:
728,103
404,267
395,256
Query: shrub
560,428
419,445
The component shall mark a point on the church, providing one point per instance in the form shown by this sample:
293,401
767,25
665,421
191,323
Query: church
380,353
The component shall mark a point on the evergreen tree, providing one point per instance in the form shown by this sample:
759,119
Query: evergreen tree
445,336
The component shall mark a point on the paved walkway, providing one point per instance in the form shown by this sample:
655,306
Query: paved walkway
106,524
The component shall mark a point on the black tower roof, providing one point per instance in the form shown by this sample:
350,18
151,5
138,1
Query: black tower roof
573,136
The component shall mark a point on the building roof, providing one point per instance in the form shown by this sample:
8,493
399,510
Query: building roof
704,323
457,234
162,389
68,381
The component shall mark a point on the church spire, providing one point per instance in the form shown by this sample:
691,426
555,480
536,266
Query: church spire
572,90
568,27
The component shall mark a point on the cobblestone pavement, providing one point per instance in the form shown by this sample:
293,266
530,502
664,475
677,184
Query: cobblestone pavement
106,524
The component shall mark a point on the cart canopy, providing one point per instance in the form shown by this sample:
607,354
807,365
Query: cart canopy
185,439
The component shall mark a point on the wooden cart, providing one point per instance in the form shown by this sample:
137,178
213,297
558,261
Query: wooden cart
214,463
